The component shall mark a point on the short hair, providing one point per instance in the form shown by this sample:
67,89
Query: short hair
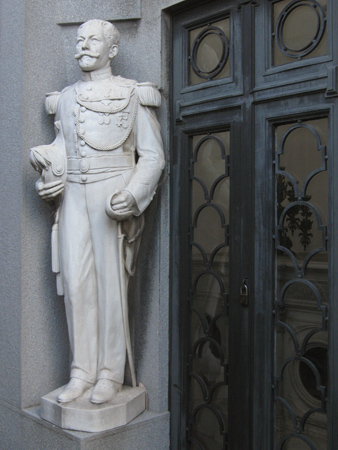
110,32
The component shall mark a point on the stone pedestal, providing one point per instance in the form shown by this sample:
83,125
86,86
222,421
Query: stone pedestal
82,415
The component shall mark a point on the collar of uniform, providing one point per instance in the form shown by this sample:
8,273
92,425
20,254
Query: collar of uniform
100,74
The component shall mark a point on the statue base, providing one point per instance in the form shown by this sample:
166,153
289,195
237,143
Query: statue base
82,415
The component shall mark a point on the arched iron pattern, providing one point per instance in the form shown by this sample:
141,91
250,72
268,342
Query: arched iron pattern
300,272
203,319
208,272
314,369
209,30
213,321
296,436
207,334
206,261
301,195
219,142
215,411
207,324
291,413
207,397
209,205
299,426
209,262
299,53
308,414
301,217
313,332
216,182
321,389
290,331
200,343
209,196
219,247
203,186
300,349
202,386
307,283
218,385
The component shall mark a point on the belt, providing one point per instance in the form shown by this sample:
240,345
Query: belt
102,162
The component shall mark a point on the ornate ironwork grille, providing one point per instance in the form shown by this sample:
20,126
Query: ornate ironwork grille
209,52
299,30
301,305
208,298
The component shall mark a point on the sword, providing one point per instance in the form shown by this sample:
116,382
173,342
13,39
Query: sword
124,301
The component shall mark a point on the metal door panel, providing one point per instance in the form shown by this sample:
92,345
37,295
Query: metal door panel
260,101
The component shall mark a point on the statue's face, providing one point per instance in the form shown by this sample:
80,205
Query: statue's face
92,48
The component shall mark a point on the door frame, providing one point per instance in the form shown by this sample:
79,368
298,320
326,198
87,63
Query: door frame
255,108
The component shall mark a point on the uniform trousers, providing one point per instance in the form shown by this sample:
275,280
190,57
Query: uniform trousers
91,266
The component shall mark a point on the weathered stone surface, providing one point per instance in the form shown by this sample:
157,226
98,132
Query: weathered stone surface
75,11
25,430
82,415
168,3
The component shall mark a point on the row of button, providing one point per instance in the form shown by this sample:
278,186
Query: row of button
84,164
81,131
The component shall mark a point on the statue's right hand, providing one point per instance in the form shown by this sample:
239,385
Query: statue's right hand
48,191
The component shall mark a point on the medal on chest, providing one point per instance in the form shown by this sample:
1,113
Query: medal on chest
105,114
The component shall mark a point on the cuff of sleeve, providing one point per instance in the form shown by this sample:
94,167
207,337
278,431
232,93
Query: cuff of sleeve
134,209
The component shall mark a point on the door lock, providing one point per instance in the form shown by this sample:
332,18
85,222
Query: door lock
243,294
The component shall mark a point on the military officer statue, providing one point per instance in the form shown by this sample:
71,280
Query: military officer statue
104,164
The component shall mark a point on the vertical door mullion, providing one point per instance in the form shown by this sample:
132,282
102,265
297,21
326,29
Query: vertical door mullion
262,331
240,358
241,355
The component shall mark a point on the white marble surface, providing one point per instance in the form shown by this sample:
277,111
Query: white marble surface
82,415
109,148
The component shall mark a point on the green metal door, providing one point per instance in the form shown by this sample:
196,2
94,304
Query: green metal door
254,199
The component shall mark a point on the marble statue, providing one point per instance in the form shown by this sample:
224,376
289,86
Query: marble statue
104,166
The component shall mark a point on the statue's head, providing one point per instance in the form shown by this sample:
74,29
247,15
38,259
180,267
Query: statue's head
97,44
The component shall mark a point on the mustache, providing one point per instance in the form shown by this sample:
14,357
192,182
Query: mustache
87,53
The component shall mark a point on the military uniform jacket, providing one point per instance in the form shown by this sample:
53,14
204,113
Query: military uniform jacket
109,128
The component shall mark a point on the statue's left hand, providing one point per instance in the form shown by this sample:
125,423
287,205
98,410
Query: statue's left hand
48,191
123,202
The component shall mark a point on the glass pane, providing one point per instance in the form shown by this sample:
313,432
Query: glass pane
209,52
210,194
299,30
301,338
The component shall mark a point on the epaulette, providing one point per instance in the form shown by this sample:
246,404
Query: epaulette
148,94
52,100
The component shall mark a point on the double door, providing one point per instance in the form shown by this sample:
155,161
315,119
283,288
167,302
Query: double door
254,250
